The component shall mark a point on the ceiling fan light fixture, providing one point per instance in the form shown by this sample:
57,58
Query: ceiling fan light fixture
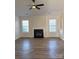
33,7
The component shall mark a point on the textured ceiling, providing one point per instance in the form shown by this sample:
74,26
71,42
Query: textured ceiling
52,7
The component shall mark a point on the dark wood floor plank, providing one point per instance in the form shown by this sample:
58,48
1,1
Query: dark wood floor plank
44,48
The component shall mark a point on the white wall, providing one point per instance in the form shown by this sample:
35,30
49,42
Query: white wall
17,27
37,22
61,27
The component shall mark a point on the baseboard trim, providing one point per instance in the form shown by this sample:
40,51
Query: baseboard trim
39,38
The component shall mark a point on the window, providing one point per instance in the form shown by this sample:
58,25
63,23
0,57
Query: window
25,26
52,25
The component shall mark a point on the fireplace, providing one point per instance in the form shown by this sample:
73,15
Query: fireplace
38,33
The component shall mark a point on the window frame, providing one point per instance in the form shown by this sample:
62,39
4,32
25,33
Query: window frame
27,26
51,26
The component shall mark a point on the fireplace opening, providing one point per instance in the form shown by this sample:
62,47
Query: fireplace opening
38,33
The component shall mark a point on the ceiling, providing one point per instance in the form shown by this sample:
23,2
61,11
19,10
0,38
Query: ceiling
52,7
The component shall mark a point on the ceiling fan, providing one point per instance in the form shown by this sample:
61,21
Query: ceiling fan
35,6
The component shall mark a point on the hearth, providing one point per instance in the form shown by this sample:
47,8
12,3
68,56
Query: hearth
38,33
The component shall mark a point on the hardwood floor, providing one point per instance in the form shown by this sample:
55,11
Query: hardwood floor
44,48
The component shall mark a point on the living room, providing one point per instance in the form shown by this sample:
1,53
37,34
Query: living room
42,22
39,29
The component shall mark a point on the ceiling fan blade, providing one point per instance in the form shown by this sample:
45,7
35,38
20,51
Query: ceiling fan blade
40,5
33,1
37,7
